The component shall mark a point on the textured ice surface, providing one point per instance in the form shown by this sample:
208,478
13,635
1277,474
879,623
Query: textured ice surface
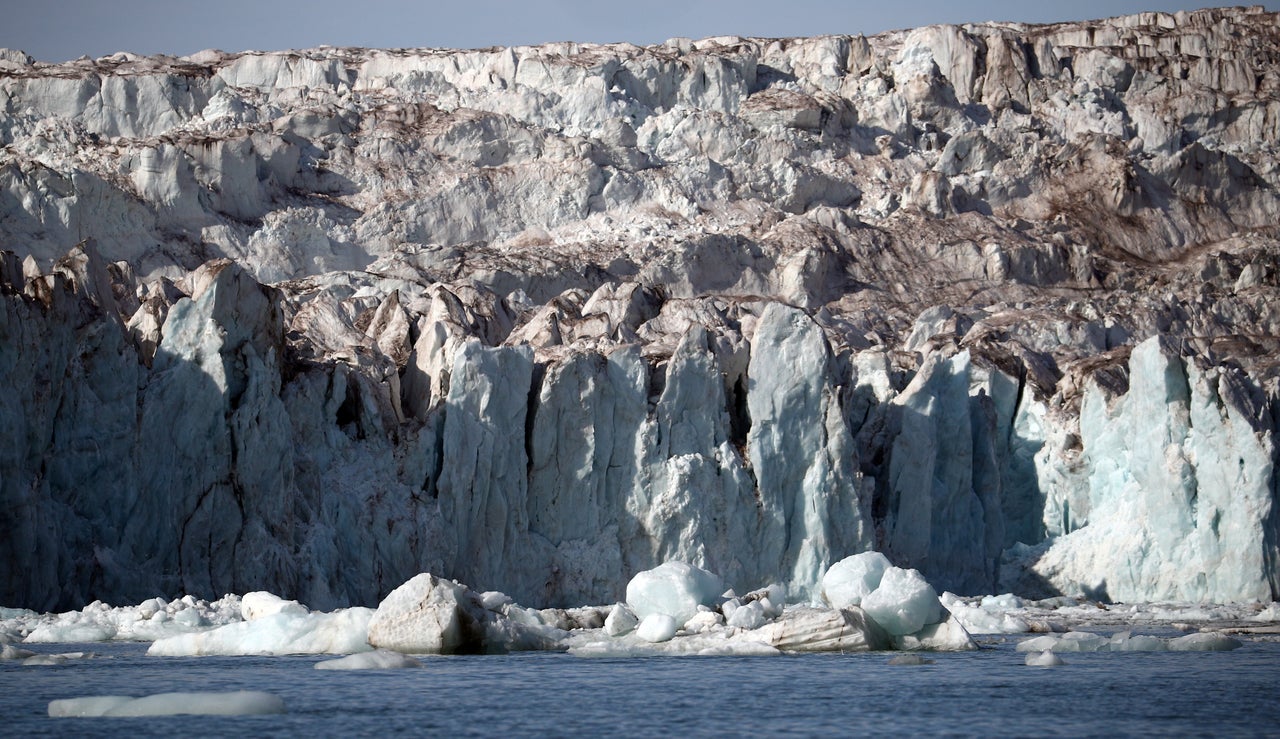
427,615
749,616
379,659
657,627
851,579
240,703
673,588
1181,486
1205,642
620,620
340,632
903,603
258,604
989,618
150,620
1078,641
947,636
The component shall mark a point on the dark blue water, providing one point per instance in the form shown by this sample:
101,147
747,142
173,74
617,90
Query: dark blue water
986,693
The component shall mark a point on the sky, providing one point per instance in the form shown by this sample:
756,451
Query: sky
58,30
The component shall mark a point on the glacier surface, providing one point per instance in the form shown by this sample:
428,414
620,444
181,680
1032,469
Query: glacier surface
998,301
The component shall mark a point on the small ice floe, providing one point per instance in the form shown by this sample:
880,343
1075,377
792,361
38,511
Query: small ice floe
1044,659
380,659
1083,641
1204,642
9,652
48,660
240,703
909,659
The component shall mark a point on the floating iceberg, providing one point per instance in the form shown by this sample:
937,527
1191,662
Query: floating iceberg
240,703
1082,641
1043,659
379,659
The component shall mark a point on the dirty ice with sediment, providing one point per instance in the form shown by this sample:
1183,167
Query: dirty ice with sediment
726,346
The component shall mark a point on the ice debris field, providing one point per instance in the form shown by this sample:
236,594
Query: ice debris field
865,604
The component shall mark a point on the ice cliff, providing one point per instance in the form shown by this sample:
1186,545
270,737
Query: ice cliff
999,301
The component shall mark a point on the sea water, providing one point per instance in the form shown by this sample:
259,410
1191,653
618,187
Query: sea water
985,693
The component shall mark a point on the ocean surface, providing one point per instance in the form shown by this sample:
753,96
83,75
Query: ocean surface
985,693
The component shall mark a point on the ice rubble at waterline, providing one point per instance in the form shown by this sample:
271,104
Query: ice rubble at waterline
574,309
684,611
431,615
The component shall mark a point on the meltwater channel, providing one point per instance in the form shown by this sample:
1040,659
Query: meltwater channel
990,692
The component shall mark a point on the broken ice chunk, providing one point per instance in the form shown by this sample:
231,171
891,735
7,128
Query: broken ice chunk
673,588
903,603
851,579
657,627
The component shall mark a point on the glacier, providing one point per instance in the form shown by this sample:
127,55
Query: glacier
998,301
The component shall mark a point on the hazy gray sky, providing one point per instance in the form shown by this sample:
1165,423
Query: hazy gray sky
56,30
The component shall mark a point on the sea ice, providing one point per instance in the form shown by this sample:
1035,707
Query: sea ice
673,588
379,659
982,620
947,636
851,579
1043,659
1037,644
657,627
1125,642
75,632
749,616
1083,641
903,603
620,621
427,615
340,632
806,629
704,620
1204,642
259,604
240,703
8,651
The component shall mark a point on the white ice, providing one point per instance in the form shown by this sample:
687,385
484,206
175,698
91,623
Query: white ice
1044,659
260,604
673,588
340,632
240,703
657,627
621,621
379,659
851,579
989,618
1082,641
903,603
150,620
